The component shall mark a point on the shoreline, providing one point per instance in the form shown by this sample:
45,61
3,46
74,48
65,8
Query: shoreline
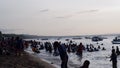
24,61
44,62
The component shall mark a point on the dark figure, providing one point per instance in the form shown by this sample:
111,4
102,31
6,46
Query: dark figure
47,46
113,59
112,47
55,45
0,49
103,48
63,55
41,46
87,47
91,49
80,50
102,44
95,49
117,50
68,49
50,47
85,64
19,46
99,47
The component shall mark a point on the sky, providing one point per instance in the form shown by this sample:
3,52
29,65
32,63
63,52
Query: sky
60,17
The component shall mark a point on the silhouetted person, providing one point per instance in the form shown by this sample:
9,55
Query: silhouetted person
50,48
63,55
0,48
85,64
80,50
55,45
113,59
117,50
112,47
103,48
68,49
99,47
19,46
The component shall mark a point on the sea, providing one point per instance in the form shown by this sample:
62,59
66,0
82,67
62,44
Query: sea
98,59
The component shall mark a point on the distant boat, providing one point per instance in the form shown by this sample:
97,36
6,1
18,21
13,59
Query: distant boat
97,38
87,37
116,40
67,39
59,38
76,38
44,39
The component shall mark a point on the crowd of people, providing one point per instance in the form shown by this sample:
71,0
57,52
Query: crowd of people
16,45
11,46
62,49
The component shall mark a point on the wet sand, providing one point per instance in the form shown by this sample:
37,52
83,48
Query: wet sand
24,61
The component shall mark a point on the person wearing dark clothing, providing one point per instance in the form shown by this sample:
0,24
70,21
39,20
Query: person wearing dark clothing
85,64
103,48
63,55
49,47
19,46
46,46
0,48
117,50
113,59
80,50
55,45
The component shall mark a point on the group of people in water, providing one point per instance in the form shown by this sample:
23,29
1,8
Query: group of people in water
62,49
70,47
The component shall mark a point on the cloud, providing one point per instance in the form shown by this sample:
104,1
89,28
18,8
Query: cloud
8,30
66,16
80,12
44,10
88,11
60,17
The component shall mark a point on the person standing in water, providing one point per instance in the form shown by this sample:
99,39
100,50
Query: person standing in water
80,50
113,59
63,55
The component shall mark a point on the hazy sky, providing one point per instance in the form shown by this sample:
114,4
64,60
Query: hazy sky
60,17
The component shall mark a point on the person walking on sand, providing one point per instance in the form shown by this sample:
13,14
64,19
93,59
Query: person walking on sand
113,59
63,55
85,64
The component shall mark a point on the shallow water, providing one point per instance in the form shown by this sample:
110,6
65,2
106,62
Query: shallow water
97,59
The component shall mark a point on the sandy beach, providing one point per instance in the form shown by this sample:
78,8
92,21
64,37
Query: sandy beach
24,61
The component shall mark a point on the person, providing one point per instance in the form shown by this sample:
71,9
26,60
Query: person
55,45
113,59
1,48
85,64
99,47
63,55
113,47
80,50
103,48
117,50
19,46
49,47
26,44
